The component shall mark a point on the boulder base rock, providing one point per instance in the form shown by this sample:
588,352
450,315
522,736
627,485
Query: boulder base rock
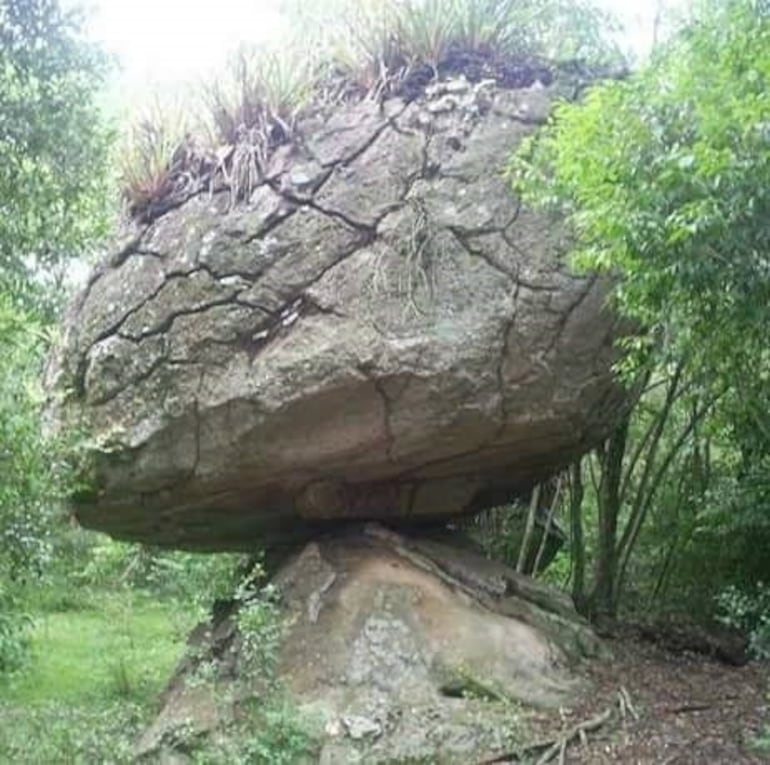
381,331
395,649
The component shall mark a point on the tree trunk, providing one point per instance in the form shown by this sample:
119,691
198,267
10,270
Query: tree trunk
642,506
526,542
603,602
547,528
577,540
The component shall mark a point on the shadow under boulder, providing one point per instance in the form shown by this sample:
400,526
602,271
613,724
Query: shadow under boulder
393,648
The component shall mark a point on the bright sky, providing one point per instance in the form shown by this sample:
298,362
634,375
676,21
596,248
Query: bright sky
170,40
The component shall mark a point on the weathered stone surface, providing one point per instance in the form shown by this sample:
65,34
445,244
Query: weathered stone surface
381,332
396,649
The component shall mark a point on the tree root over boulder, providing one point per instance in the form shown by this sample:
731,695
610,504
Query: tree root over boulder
398,648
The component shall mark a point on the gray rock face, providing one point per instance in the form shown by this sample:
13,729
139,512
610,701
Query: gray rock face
381,332
394,649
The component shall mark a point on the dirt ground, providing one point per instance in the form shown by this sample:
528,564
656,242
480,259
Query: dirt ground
691,709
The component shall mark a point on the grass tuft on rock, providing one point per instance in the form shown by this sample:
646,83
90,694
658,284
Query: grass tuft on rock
341,51
153,152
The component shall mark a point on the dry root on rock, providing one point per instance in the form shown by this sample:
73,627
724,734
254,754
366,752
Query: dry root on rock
556,747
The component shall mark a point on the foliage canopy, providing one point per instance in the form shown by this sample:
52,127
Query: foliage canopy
665,178
53,189
53,147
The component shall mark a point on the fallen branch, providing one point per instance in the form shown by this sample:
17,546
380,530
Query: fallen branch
626,705
557,746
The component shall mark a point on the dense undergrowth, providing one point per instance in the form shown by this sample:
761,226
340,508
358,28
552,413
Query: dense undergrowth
93,676
100,638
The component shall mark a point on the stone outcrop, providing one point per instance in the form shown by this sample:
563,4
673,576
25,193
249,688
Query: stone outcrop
381,331
395,649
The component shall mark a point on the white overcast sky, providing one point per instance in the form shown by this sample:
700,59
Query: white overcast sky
162,41
177,39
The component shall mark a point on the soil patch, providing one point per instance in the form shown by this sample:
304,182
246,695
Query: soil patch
692,709
509,72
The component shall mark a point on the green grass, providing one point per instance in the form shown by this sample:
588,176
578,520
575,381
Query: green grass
93,682
115,649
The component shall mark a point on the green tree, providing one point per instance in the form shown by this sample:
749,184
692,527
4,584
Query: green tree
665,179
53,192
53,144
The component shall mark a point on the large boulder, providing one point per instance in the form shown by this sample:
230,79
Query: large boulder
381,331
395,649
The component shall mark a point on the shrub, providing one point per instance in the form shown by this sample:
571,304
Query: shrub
749,612
266,725
261,628
33,475
62,733
14,634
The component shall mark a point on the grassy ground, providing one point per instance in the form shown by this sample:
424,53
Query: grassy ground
96,673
